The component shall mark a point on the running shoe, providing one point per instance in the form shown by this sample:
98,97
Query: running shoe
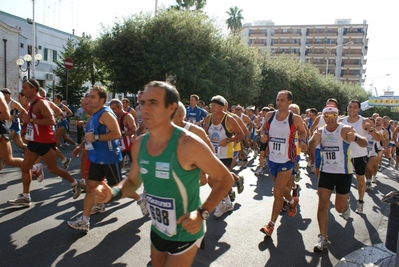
39,173
76,189
322,244
359,208
293,207
20,201
380,168
259,171
67,144
2,165
240,184
79,224
295,192
267,229
297,176
232,195
222,208
312,169
66,163
286,204
346,214
368,185
98,208
143,205
391,162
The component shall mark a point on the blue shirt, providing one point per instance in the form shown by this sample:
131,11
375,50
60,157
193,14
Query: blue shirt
103,152
195,114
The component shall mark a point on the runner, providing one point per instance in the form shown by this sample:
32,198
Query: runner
336,169
177,215
280,127
41,142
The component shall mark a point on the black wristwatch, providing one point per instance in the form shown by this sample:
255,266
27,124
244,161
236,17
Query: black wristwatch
204,213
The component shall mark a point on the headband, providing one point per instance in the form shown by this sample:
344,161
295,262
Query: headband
217,101
330,109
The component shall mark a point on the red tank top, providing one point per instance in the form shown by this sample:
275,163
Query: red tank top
125,143
41,133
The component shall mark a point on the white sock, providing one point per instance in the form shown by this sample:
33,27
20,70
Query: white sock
292,201
74,182
26,195
64,160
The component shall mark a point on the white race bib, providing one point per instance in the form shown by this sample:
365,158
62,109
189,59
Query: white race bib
88,145
29,132
277,146
331,155
217,148
163,214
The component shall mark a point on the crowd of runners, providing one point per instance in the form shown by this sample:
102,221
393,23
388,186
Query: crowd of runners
155,139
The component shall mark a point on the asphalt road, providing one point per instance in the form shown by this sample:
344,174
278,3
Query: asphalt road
39,236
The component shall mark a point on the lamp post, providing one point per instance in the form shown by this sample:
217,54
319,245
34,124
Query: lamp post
28,60
328,52
372,82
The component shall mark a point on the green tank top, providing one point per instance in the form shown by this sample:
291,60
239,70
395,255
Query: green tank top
170,190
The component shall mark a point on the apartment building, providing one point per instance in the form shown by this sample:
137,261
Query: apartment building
338,49
17,35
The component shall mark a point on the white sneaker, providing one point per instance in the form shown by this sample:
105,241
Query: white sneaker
368,185
79,224
259,171
143,205
346,214
98,208
322,244
359,208
391,161
39,173
222,208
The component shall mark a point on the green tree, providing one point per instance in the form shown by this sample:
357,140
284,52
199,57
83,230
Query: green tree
189,4
78,75
184,44
234,22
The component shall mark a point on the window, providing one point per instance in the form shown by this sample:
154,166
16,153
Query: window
50,55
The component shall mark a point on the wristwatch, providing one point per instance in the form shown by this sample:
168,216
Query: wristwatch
204,213
96,137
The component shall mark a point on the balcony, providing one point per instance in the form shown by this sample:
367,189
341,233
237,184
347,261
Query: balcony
257,35
321,32
287,34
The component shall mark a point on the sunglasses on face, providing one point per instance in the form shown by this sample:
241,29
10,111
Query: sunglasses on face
333,116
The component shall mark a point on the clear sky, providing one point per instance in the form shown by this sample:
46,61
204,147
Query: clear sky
86,16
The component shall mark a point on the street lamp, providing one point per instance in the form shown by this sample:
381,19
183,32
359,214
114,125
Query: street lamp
28,60
328,52
372,82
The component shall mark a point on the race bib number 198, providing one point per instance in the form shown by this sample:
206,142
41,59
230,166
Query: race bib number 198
163,213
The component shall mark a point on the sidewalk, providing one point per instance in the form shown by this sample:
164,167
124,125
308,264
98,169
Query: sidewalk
376,255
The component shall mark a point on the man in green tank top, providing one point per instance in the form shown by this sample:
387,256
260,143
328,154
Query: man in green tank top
164,162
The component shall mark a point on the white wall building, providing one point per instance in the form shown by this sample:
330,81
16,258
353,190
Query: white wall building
16,34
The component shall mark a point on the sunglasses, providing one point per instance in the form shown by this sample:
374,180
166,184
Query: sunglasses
326,116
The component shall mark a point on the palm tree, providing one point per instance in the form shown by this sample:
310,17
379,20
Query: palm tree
234,22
